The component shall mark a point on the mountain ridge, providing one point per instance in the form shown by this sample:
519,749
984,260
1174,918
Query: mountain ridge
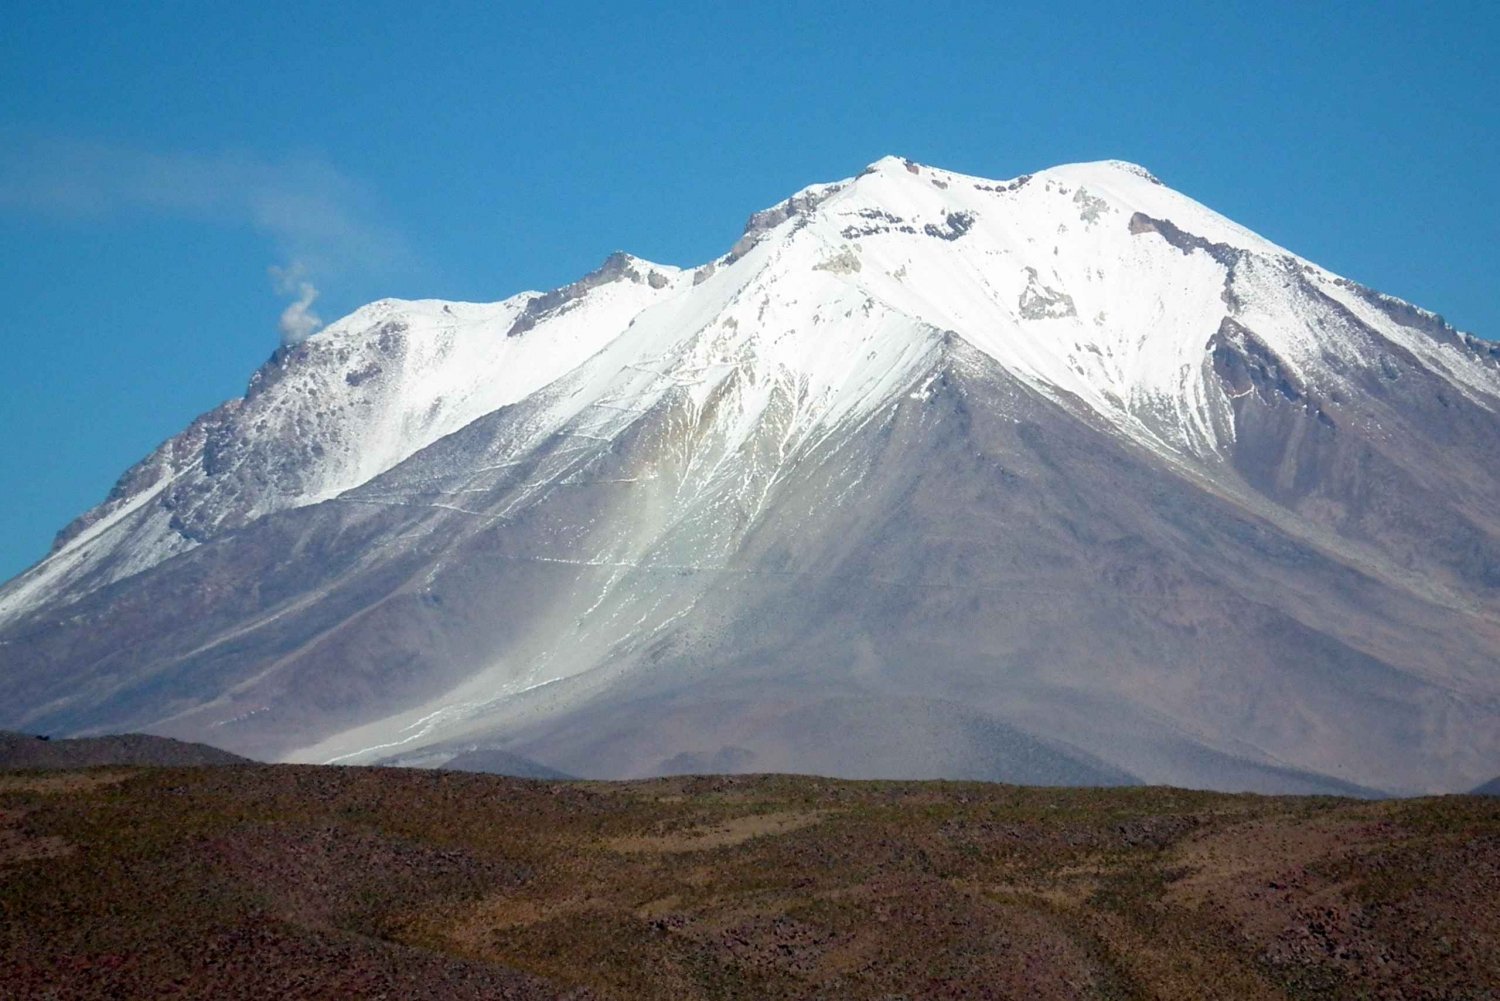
620,264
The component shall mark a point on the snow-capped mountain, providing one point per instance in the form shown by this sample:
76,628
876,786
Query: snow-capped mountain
1062,479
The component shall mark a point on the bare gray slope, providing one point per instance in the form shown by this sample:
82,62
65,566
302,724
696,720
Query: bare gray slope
1001,590
1003,558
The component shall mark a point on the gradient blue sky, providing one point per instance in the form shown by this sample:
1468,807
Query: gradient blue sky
157,160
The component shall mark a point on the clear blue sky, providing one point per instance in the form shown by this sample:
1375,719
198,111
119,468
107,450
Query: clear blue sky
157,160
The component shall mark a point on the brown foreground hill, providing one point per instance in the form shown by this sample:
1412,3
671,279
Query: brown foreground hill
290,882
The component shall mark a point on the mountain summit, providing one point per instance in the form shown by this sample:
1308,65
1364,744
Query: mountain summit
1060,479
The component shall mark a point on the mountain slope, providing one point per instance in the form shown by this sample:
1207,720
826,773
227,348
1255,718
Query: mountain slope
1062,479
24,751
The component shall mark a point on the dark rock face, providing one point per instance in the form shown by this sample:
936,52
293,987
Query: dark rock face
955,225
1015,185
1140,223
1230,257
766,220
217,474
1246,364
155,467
877,221
1354,466
616,267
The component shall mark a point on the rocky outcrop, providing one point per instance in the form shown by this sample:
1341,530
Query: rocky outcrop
762,222
618,266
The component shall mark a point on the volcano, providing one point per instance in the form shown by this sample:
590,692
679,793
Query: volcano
1064,479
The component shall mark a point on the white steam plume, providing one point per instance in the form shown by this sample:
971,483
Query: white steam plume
298,321
328,222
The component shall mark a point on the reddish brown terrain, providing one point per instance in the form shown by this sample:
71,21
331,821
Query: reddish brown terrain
312,882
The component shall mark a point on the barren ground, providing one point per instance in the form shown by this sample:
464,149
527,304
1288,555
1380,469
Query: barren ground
261,881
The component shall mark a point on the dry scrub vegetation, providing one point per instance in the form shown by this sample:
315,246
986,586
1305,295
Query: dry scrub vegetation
262,881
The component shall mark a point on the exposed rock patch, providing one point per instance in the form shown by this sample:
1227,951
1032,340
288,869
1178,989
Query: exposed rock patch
845,262
1431,324
363,374
1140,224
1137,170
955,225
1042,302
1230,257
616,266
801,205
1090,207
1246,364
876,222
1015,185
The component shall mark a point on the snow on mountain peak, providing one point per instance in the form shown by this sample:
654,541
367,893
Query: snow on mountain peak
1092,282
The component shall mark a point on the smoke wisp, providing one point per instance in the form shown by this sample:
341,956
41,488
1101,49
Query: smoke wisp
298,322
323,220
